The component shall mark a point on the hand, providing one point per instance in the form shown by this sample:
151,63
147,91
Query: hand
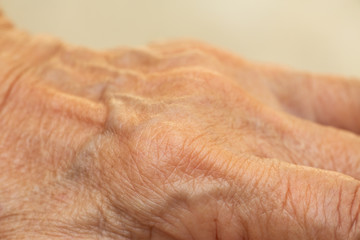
172,141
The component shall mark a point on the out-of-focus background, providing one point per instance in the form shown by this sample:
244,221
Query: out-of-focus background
317,35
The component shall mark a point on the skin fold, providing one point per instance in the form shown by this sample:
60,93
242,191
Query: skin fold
174,140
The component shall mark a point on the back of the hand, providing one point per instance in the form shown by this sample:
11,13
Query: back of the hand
173,141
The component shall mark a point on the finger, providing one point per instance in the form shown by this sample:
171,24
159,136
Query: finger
323,147
249,126
305,143
293,202
328,100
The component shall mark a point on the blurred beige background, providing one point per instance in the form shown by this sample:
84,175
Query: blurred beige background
317,35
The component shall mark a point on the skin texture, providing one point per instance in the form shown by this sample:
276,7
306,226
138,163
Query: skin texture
175,140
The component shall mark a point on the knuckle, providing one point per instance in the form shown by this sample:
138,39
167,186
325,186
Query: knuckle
140,58
184,82
179,46
193,58
158,138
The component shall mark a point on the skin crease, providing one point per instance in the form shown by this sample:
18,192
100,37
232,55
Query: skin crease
176,140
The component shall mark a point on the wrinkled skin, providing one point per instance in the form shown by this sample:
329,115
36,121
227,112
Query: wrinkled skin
177,140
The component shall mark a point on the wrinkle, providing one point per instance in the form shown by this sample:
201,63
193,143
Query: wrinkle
355,210
17,74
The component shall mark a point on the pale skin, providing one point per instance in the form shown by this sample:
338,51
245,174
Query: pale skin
177,140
